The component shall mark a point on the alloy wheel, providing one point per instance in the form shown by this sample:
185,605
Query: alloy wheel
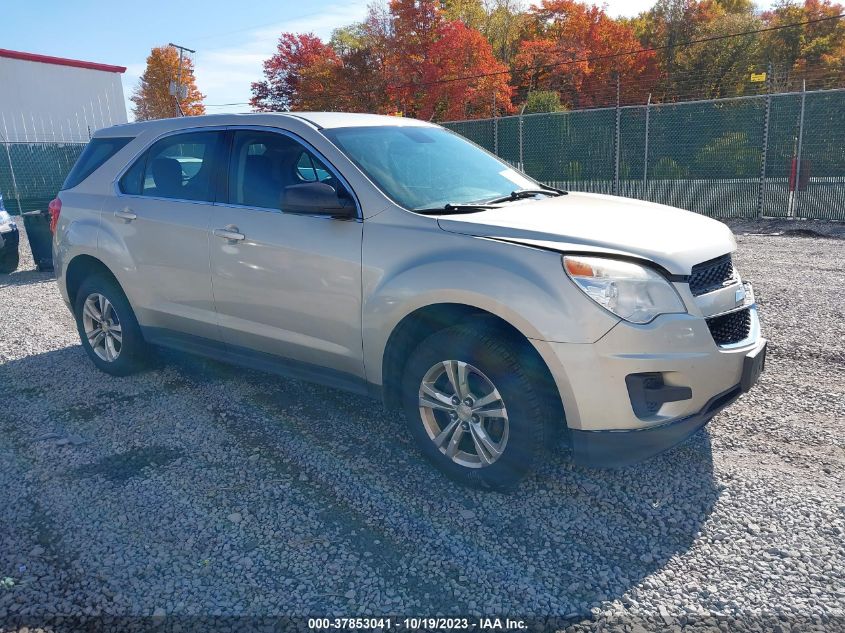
463,413
102,327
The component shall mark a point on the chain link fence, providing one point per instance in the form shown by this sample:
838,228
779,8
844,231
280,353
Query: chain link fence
31,174
778,155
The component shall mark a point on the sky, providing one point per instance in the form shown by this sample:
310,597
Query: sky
232,39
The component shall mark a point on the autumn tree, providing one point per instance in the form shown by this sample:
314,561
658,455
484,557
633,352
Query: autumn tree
298,76
364,49
462,78
152,96
443,59
415,26
579,51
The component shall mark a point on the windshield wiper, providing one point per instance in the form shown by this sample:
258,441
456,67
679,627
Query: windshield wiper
519,194
561,192
450,209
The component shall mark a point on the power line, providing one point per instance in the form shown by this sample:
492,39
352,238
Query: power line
539,67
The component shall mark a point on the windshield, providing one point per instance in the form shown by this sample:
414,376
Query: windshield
427,167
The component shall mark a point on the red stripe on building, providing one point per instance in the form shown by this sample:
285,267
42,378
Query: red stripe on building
60,61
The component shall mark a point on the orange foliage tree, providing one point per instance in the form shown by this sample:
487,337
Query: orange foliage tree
405,59
463,52
578,51
152,96
448,59
415,27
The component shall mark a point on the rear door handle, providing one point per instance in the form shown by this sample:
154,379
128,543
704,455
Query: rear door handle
230,232
125,215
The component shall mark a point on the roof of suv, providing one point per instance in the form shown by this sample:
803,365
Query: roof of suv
317,119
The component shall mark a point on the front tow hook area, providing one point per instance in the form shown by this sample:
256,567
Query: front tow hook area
648,392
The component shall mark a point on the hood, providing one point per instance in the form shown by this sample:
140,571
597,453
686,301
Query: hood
585,222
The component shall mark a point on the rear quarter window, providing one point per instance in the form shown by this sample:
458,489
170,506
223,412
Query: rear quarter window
97,152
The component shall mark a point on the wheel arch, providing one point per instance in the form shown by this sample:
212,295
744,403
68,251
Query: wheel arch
80,268
425,321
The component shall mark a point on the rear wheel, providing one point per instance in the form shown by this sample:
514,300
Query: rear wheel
472,407
108,328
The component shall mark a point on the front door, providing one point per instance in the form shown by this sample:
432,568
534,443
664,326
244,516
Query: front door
158,228
286,284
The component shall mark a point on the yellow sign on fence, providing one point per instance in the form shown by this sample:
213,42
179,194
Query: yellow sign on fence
757,77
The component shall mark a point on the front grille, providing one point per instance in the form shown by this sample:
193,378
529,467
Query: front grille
730,328
711,275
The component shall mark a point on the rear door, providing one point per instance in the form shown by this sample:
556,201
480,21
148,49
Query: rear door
160,217
288,284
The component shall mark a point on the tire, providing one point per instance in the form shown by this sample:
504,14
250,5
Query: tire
9,261
132,352
491,364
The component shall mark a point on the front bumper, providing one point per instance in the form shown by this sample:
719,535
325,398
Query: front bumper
612,449
592,377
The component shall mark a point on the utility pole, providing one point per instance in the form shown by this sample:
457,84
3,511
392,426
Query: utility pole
179,91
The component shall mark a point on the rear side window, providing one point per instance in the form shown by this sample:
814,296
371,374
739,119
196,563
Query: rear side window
180,167
97,152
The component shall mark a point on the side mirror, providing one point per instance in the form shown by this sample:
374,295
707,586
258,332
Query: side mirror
317,198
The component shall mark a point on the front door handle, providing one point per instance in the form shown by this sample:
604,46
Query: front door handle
126,214
230,233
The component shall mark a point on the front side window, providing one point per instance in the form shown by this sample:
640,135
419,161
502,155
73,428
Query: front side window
427,167
180,167
263,164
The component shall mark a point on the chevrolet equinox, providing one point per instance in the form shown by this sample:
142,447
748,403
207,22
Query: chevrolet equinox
392,257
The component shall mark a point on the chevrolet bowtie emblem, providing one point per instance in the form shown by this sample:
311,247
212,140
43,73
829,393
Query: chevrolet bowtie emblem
740,296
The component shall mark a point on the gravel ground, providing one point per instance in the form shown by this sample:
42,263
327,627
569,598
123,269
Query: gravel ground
197,489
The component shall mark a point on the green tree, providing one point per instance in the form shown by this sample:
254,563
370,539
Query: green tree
813,51
542,101
502,22
473,13
716,68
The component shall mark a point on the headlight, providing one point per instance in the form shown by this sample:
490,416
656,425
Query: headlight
635,293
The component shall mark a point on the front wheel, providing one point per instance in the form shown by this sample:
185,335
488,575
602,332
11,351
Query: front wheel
473,408
108,328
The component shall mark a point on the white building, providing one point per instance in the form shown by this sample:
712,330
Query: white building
53,99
